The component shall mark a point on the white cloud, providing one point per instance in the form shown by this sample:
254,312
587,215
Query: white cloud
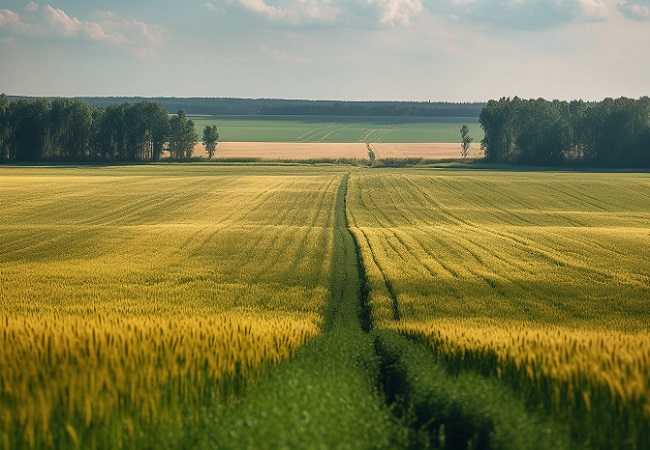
295,12
594,9
523,14
396,12
635,10
50,22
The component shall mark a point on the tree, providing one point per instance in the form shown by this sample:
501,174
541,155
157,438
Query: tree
157,127
70,129
466,140
5,128
210,137
182,136
30,121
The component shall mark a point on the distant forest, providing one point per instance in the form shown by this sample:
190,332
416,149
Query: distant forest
611,133
276,107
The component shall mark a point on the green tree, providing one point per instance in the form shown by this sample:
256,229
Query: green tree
157,128
70,129
210,137
5,128
466,140
182,136
30,122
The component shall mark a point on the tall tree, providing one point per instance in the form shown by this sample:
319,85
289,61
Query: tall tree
182,136
112,133
5,128
466,140
70,129
210,137
157,128
30,120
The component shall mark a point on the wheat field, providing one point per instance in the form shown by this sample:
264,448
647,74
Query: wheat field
139,304
133,297
541,279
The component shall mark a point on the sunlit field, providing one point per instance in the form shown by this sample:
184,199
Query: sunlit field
133,298
541,279
215,305
338,129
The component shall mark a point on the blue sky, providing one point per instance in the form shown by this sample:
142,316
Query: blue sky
449,50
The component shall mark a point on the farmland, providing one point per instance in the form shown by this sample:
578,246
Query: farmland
539,279
159,293
304,306
332,152
337,129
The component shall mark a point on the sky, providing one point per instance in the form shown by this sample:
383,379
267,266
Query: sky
443,50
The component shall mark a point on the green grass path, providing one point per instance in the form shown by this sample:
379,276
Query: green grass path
327,396
357,388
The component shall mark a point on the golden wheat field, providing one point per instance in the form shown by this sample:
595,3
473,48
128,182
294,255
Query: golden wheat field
542,279
130,297
427,151
294,151
137,303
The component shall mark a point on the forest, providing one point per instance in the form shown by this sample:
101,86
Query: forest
611,133
283,107
37,129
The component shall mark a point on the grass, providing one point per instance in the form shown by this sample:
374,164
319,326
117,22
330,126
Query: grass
337,129
540,279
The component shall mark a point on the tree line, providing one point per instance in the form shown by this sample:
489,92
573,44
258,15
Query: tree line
610,133
37,129
284,107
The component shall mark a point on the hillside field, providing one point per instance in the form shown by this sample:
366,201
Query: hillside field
338,129
296,306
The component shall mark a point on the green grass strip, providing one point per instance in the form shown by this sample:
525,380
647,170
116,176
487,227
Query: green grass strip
463,411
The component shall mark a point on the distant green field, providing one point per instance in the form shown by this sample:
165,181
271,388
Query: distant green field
338,129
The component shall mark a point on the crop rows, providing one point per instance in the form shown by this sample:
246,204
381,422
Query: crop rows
338,129
132,300
541,279
141,306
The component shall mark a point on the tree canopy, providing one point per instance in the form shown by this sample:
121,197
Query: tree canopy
182,136
611,133
210,137
36,129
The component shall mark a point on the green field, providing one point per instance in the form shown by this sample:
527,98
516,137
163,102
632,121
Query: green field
299,306
337,129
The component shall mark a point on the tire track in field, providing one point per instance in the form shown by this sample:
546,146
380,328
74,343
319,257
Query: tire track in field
387,282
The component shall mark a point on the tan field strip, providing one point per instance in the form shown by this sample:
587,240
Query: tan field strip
329,150
286,150
424,150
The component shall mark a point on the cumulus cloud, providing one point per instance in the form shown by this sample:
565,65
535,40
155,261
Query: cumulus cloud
296,12
396,12
594,9
333,12
635,9
50,22
518,14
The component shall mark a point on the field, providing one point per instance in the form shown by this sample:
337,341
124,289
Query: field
323,151
132,298
338,129
212,306
539,278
